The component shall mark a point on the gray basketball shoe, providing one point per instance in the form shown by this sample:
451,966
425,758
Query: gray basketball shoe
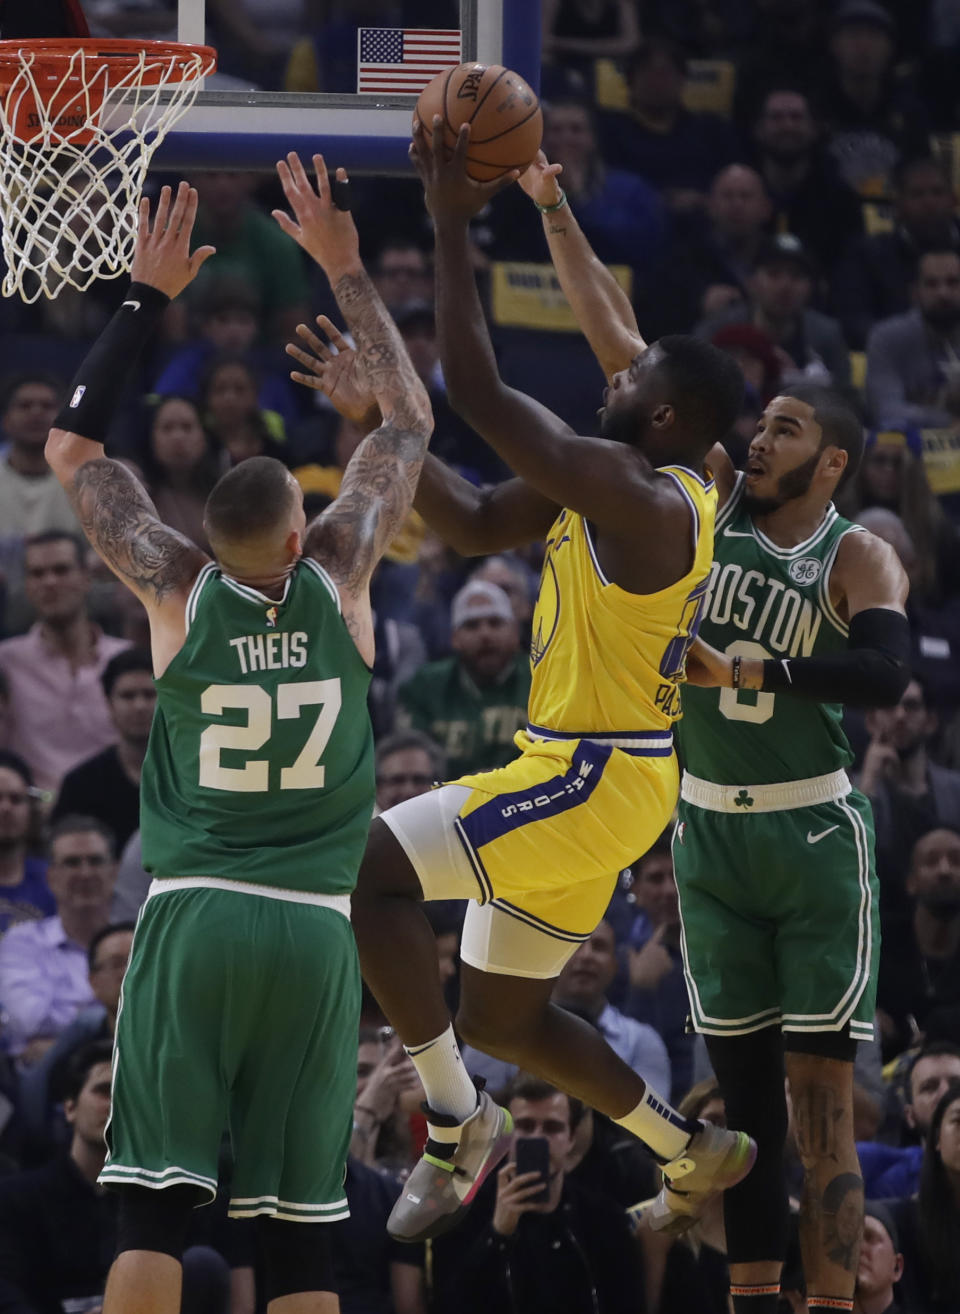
457,1159
714,1159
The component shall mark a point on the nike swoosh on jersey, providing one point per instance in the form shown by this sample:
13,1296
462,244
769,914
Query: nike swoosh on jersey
815,839
737,533
135,304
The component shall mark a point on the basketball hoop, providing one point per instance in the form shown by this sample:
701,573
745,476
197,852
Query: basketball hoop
79,122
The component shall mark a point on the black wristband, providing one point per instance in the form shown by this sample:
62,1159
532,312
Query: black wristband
735,671
100,381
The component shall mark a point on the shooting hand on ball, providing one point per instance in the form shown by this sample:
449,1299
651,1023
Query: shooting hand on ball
449,191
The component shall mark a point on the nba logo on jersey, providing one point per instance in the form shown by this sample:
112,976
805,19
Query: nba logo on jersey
681,831
271,617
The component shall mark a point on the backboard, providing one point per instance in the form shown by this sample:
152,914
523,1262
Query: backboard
248,122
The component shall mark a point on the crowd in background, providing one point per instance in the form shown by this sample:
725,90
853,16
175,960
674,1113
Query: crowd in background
806,222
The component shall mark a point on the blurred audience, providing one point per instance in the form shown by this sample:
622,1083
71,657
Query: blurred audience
24,893
107,785
44,971
58,712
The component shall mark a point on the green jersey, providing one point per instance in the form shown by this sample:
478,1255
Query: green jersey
766,601
260,761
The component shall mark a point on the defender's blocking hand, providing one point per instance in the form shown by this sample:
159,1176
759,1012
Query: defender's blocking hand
327,234
162,258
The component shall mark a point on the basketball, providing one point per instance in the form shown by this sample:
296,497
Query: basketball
503,111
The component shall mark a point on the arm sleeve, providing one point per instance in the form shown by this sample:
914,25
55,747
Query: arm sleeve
873,672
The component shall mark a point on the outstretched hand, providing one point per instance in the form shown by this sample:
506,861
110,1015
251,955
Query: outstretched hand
162,257
325,232
539,180
449,191
333,369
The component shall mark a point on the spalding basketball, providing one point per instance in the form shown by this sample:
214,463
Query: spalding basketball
506,123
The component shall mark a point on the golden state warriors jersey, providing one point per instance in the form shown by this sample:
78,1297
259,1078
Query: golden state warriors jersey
605,660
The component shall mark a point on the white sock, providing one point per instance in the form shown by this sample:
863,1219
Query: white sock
659,1126
447,1084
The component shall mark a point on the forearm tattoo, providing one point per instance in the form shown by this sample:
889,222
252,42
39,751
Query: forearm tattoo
122,524
381,477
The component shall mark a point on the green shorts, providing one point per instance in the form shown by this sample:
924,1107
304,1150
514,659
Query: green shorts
239,1013
780,918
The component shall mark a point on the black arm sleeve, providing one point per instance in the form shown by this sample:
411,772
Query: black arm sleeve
100,380
873,672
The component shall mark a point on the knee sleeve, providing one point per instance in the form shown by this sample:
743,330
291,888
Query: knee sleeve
206,1282
750,1073
155,1220
297,1257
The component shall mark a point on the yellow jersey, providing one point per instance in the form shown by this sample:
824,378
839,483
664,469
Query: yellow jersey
606,661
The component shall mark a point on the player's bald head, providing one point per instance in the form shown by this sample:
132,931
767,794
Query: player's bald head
251,508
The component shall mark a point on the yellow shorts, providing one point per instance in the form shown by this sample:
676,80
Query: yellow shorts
548,835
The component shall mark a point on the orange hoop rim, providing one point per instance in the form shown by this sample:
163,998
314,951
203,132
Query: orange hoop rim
54,53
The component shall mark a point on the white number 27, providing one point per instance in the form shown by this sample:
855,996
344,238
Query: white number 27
254,776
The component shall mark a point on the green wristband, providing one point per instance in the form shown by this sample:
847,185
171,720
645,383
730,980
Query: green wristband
557,205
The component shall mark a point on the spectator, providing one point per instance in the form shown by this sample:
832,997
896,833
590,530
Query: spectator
930,1224
892,475
107,959
893,1171
402,274
58,713
808,196
920,966
875,280
228,325
569,1253
514,576
910,794
934,630
582,987
58,1228
407,764
400,650
872,118
576,32
132,884
474,702
44,972
107,785
388,1092
810,344
180,465
658,990
880,1266
232,415
31,499
672,148
24,893
713,255
250,248
910,357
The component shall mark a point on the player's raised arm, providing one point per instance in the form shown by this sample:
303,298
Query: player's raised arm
601,306
473,521
380,479
610,482
158,564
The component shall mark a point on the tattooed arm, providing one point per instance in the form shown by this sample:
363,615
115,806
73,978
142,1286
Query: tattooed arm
379,482
158,564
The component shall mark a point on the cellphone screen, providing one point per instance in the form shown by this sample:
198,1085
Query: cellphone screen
532,1155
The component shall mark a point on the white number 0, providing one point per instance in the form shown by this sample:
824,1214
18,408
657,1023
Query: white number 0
730,705
254,776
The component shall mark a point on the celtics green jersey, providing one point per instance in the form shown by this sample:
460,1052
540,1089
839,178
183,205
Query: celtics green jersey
260,761
766,601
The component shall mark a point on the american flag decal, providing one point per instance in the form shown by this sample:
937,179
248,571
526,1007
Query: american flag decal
403,59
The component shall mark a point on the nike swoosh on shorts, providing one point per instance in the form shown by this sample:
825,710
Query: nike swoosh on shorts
815,839
135,304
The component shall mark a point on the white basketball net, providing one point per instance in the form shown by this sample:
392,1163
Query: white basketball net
68,204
